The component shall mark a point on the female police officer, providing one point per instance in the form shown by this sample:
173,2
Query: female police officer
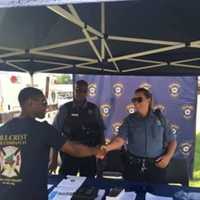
150,143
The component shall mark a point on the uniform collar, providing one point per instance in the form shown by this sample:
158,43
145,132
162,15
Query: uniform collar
150,115
75,105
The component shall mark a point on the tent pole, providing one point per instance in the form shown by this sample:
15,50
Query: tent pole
73,82
32,79
15,66
149,52
102,29
85,31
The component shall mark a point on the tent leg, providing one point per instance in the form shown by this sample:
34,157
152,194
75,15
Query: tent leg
31,79
74,83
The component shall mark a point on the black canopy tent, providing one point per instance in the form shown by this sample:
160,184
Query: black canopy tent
154,37
138,37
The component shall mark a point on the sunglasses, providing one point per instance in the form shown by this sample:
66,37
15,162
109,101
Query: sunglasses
137,100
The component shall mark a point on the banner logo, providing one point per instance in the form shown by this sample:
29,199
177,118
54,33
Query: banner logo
145,85
105,110
174,128
92,90
174,89
130,108
115,128
185,148
160,107
118,89
10,161
187,111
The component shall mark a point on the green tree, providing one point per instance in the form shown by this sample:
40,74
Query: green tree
64,79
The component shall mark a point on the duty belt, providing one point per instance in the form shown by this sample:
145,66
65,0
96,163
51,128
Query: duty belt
143,162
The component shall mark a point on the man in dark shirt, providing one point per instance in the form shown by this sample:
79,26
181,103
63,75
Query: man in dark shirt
24,150
80,121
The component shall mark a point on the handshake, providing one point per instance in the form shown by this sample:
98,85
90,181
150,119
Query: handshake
101,152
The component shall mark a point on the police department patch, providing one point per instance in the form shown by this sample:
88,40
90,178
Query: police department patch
92,88
105,110
118,89
174,89
187,111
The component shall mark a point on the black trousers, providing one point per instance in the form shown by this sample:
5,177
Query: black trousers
72,165
151,174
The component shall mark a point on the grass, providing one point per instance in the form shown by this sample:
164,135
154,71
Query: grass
196,174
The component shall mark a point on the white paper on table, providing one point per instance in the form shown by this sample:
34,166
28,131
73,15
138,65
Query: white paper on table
124,196
129,196
150,196
71,184
59,193
194,195
80,178
100,195
49,186
62,197
63,190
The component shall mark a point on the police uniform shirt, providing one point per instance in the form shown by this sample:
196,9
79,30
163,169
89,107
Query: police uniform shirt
24,157
146,136
88,112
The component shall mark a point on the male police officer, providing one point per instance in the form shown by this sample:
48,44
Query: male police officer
80,121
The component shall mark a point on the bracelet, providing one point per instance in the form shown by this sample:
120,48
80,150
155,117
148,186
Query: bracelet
104,148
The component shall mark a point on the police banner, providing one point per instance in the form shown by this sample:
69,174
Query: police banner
175,96
20,3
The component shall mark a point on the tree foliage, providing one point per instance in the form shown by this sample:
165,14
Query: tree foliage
64,79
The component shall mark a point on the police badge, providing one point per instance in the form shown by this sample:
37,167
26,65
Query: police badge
118,89
115,127
105,110
174,128
92,90
187,111
185,148
174,89
130,108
